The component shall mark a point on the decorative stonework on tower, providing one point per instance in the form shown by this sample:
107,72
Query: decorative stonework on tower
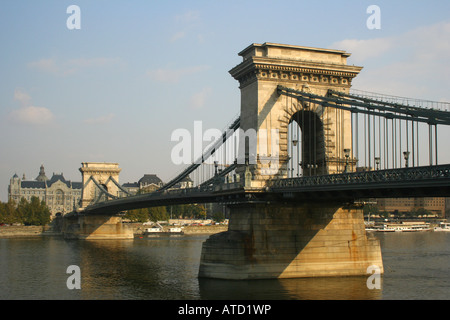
98,176
314,70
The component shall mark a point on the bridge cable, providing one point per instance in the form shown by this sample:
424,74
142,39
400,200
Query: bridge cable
212,149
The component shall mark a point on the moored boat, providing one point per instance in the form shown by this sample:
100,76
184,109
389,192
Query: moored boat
160,231
443,226
401,227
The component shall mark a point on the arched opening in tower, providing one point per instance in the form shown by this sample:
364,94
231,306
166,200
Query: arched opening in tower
306,144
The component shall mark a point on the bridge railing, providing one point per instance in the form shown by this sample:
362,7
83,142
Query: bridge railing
364,177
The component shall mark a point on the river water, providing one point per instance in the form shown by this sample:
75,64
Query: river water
416,267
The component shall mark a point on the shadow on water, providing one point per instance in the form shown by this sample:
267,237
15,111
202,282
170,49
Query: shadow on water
162,268
342,288
167,268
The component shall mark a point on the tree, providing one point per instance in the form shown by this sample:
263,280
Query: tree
158,214
137,215
3,214
370,209
8,212
419,212
218,216
179,211
34,212
384,214
199,211
22,210
44,213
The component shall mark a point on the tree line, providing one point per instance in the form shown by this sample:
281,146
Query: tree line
36,212
164,213
33,212
370,209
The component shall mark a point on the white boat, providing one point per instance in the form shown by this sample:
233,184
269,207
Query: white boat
152,230
402,227
443,226
159,230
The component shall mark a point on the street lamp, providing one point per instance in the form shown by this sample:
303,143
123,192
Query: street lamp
347,155
215,167
377,162
406,155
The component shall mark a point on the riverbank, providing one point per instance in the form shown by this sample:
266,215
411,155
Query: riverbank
23,231
138,229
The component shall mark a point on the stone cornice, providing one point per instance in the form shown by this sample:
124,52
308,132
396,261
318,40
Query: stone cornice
99,170
264,68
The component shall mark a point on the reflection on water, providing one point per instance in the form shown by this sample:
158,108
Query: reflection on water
416,267
347,288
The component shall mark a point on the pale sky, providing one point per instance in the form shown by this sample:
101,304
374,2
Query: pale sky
115,89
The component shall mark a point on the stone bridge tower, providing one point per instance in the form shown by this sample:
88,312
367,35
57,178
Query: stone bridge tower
314,70
98,178
307,237
95,174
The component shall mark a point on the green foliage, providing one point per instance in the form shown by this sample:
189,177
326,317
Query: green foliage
8,213
145,214
158,214
34,212
370,209
218,216
188,211
418,212
137,215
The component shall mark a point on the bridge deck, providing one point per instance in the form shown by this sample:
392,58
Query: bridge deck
405,182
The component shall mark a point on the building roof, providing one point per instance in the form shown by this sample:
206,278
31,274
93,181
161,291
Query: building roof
33,184
130,185
48,183
77,185
150,179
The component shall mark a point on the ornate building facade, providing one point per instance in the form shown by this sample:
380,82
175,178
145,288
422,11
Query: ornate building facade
60,195
63,196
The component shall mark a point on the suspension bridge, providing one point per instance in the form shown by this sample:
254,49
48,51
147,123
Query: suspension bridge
292,166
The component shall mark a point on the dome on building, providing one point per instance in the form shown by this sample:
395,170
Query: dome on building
42,177
148,179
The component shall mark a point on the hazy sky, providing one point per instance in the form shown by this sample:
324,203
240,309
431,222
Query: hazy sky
117,88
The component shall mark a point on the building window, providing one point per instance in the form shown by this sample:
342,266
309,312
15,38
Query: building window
59,197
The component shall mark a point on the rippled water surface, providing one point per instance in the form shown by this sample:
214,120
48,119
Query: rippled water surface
416,267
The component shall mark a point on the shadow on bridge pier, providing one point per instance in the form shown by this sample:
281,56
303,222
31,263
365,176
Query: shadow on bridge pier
291,240
95,227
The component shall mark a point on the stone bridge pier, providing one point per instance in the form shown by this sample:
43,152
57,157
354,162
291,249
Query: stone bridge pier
96,227
291,241
301,238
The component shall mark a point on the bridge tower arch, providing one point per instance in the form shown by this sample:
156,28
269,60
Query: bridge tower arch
313,70
306,144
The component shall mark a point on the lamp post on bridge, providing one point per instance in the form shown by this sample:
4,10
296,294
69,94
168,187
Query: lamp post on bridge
347,155
406,155
377,163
